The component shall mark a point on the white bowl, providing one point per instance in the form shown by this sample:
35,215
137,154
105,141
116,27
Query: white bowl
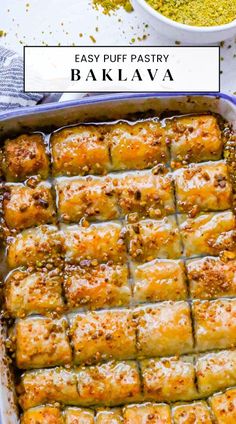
184,33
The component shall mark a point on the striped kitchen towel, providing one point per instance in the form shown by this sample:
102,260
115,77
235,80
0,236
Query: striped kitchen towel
11,82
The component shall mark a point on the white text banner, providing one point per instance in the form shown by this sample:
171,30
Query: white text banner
122,69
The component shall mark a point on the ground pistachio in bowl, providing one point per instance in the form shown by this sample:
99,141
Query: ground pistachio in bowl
197,12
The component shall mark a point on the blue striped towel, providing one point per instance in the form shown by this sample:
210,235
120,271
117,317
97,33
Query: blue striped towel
11,82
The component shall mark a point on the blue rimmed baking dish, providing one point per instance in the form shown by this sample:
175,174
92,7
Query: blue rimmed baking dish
98,109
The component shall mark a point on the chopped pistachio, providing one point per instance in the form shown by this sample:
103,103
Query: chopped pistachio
92,38
111,5
197,12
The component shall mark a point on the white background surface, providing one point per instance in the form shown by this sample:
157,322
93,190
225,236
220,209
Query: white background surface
56,22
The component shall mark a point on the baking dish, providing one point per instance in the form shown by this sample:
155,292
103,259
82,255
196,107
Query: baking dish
49,117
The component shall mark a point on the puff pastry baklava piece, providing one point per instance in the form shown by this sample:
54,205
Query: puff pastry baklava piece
147,413
214,323
103,335
53,415
210,277
208,234
98,242
42,342
80,150
33,293
223,406
146,193
161,279
36,247
90,197
137,146
109,416
192,413
194,139
164,329
109,384
97,287
168,379
215,371
78,416
203,187
49,385
151,239
25,156
25,207
42,415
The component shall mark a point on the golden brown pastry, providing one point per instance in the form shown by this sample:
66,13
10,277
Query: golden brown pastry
194,139
103,335
95,287
147,413
90,197
192,413
223,406
164,329
208,234
146,193
33,292
42,342
129,272
78,416
151,239
168,379
109,416
97,243
42,415
80,150
203,187
215,371
25,207
47,386
25,156
36,247
214,324
137,146
211,277
112,383
161,279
